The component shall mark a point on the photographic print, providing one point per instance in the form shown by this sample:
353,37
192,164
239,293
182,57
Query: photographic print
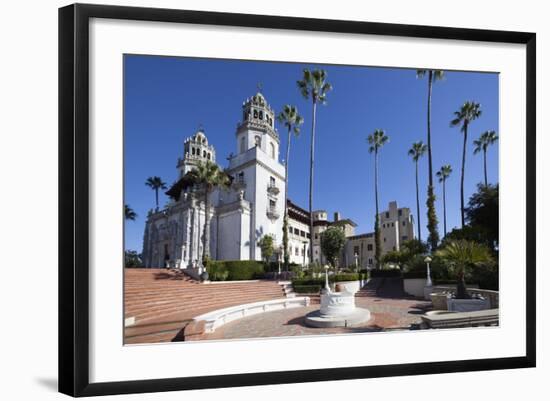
266,199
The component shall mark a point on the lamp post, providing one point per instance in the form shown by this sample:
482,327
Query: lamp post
428,274
279,256
326,278
428,286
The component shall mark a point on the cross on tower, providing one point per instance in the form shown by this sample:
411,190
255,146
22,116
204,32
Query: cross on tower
259,86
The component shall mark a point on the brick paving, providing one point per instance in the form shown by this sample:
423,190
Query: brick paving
387,314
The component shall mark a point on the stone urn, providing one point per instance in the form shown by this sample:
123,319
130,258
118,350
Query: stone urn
204,276
439,300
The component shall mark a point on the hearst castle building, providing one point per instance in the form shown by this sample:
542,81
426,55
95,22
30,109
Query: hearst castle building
253,206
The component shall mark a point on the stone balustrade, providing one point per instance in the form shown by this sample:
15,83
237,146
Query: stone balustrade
213,320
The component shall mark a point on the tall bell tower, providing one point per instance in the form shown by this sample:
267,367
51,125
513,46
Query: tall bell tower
195,149
258,172
257,128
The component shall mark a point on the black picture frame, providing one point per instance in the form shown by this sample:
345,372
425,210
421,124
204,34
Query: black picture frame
74,200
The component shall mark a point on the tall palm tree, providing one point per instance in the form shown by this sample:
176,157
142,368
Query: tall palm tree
156,183
208,176
129,213
468,112
376,140
417,150
485,140
314,86
290,118
444,173
433,238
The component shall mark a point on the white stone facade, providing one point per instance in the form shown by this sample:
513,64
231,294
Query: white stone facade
252,207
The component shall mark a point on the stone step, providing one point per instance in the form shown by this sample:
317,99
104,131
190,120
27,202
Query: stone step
136,309
187,309
161,300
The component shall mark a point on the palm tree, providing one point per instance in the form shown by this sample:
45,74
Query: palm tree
443,173
208,176
462,256
314,86
433,237
129,213
417,150
155,183
290,118
463,117
485,140
376,140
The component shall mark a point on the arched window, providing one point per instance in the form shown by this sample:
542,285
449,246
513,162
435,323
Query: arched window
261,115
243,144
272,150
258,141
204,153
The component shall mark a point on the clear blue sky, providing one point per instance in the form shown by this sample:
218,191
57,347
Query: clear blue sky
167,98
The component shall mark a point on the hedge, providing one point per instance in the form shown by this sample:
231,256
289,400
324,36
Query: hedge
308,282
347,277
415,274
222,270
385,273
307,289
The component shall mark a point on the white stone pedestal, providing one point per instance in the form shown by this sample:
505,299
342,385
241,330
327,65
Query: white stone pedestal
337,310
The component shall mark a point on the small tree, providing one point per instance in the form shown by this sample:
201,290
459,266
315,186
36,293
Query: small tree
155,183
462,257
267,247
132,259
332,243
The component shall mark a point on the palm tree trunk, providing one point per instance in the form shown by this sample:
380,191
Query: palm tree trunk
444,210
157,197
206,233
285,225
462,173
430,173
376,180
433,236
377,244
485,165
311,162
418,202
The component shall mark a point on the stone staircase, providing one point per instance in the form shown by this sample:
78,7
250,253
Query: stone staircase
383,287
159,302
371,288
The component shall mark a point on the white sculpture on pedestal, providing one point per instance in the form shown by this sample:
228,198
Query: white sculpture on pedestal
337,308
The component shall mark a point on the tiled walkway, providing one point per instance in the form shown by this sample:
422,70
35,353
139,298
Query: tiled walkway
387,314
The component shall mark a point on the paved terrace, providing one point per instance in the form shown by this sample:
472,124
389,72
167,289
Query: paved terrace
163,302
388,313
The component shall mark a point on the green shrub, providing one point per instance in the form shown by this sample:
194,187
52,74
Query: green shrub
385,273
307,289
415,274
347,277
308,281
222,270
